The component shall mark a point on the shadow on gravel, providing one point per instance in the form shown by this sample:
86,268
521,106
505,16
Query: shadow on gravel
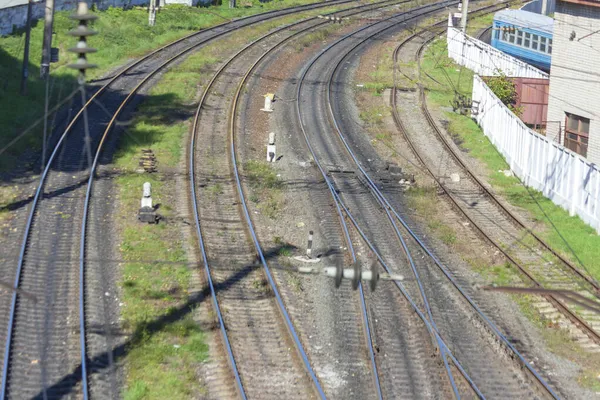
69,382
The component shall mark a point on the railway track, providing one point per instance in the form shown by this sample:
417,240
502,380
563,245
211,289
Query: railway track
334,158
468,345
494,221
223,227
45,352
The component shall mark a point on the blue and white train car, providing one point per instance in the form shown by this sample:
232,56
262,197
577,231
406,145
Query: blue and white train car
524,35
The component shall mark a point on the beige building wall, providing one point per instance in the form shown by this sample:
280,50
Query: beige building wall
575,73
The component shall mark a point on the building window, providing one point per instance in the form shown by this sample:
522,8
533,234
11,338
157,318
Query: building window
577,131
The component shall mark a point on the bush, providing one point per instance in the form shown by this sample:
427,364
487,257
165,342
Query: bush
506,90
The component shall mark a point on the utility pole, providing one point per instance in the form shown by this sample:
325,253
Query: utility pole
26,51
152,13
47,46
464,12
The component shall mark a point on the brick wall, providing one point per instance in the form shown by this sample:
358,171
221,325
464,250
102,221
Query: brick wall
575,73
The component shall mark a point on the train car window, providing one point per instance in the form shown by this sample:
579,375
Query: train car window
534,42
505,36
520,38
550,46
542,44
511,38
497,35
527,39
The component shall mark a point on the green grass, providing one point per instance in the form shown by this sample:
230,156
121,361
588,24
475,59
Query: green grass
266,188
166,344
580,237
122,35
161,361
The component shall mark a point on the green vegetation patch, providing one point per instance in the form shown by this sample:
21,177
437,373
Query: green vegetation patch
266,188
566,234
122,35
166,344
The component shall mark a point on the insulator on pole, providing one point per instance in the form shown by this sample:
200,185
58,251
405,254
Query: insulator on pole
82,31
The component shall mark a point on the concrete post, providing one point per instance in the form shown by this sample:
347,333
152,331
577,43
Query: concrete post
310,244
269,97
271,150
464,12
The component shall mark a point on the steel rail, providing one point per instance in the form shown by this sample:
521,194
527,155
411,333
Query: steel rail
433,330
562,308
232,131
61,140
389,207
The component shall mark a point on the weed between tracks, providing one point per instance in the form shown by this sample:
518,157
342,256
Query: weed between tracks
265,187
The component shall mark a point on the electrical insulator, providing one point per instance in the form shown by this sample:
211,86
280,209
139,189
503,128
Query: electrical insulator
82,31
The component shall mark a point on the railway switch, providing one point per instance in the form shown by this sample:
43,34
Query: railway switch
147,212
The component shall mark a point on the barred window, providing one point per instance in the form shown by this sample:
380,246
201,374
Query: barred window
577,133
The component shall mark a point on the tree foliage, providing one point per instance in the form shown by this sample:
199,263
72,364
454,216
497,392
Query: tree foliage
506,90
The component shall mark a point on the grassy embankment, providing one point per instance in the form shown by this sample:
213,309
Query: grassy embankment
123,35
564,233
155,367
569,235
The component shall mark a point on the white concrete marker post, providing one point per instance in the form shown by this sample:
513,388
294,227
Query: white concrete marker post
271,150
146,212
269,97
310,244
147,195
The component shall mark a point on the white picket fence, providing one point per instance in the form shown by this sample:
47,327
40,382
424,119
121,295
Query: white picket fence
484,59
560,174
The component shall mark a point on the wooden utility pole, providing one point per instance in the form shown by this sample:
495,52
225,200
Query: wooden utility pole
464,12
26,51
47,46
